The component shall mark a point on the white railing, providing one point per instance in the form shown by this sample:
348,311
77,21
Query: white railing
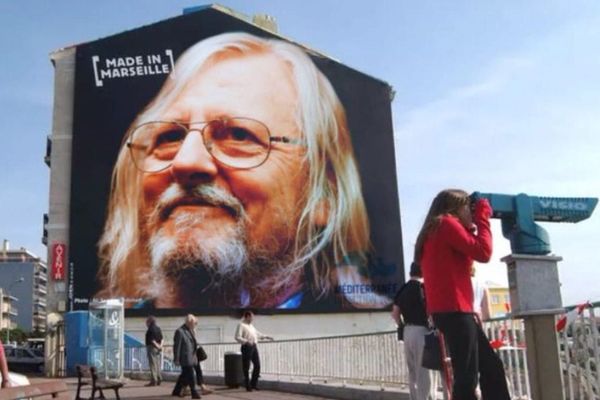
378,358
580,355
510,334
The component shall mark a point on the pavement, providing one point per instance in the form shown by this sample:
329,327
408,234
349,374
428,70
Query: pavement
135,389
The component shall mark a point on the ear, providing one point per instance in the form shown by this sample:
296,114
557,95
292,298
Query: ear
322,213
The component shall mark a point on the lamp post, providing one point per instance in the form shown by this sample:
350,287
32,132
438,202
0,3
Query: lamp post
18,280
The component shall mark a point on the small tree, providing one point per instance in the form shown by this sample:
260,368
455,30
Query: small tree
16,335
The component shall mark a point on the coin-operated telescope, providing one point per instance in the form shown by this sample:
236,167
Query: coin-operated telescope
533,277
519,212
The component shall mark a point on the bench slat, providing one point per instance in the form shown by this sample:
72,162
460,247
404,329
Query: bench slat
35,390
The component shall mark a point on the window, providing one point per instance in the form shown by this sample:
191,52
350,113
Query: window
495,299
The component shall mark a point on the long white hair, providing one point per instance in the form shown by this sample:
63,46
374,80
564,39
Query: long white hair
333,179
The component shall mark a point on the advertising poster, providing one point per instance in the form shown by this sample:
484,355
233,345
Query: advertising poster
217,167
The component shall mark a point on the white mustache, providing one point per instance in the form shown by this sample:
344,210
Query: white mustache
204,194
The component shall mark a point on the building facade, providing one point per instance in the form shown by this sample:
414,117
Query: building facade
8,312
499,300
23,276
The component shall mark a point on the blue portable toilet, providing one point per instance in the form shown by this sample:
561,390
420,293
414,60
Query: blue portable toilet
76,339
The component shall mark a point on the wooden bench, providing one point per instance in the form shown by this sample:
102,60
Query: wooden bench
58,390
87,375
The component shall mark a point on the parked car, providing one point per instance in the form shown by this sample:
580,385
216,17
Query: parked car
23,359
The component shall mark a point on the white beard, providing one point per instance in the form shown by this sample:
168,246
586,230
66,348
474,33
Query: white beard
223,258
223,254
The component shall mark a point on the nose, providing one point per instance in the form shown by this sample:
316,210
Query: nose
193,164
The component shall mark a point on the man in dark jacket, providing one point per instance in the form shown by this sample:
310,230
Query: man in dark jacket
154,339
184,355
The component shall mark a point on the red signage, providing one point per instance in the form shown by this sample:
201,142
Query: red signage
58,261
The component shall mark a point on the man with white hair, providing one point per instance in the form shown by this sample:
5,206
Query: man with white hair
237,187
184,355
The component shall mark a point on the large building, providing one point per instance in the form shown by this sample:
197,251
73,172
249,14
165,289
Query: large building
8,312
23,276
100,87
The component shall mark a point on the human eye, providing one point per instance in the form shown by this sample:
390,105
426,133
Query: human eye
168,136
166,140
232,134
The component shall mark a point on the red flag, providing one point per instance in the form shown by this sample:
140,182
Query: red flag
568,318
497,343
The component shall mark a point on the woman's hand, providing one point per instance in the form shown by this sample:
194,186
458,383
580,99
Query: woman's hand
483,210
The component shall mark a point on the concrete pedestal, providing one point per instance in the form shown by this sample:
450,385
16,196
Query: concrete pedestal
535,297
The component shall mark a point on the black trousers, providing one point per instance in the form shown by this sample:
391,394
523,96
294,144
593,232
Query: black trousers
186,378
471,355
199,377
250,354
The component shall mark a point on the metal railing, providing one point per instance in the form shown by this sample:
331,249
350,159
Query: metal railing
378,358
580,355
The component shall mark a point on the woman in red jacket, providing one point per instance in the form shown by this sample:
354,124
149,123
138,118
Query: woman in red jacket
452,237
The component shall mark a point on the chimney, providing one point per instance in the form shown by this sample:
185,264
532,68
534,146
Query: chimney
265,21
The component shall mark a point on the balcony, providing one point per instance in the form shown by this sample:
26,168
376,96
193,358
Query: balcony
39,315
41,275
41,289
39,302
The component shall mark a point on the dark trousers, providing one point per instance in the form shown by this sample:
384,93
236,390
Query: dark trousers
250,353
199,377
471,355
186,378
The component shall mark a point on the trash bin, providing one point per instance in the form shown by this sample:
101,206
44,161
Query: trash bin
234,375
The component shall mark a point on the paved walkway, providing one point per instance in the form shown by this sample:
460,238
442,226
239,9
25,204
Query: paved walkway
136,390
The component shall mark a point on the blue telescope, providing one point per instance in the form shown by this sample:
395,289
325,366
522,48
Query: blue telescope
519,212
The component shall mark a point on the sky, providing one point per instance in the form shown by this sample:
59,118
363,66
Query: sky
494,96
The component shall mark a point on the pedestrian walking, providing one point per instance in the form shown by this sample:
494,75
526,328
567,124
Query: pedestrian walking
184,355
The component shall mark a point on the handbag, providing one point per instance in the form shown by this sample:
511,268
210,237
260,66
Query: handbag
400,331
432,351
201,354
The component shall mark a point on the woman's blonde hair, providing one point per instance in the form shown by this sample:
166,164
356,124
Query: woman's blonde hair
333,179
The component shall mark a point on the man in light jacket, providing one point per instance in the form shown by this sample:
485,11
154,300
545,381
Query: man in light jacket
184,355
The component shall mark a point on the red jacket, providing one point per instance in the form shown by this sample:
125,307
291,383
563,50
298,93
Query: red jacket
448,254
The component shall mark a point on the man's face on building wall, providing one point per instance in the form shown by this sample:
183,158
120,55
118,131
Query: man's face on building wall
257,207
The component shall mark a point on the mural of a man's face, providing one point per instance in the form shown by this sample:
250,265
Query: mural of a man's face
201,212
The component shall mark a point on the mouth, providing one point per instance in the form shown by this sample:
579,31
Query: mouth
168,209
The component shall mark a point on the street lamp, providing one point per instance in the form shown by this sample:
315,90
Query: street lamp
18,280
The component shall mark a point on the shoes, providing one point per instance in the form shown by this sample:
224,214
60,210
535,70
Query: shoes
255,388
175,394
248,389
151,384
195,396
206,390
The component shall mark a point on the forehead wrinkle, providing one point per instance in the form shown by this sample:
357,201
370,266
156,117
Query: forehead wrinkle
222,90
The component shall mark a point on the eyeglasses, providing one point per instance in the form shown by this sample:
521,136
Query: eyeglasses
240,143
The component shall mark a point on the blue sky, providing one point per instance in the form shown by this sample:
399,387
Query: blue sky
496,96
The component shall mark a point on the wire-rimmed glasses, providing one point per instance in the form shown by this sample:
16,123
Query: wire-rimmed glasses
238,142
